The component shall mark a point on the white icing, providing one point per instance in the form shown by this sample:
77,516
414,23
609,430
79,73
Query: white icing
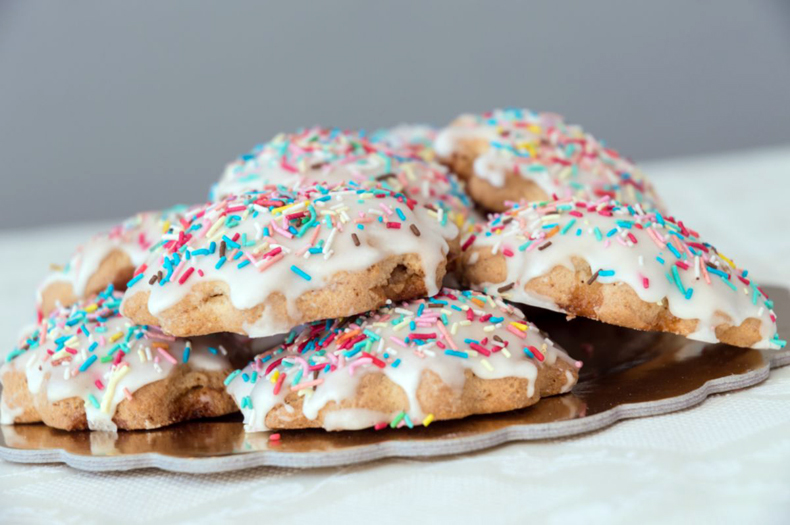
408,139
631,263
251,285
256,387
56,367
134,237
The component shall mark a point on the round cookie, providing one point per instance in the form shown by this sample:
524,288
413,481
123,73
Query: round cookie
613,263
447,357
512,155
109,258
264,262
411,140
87,367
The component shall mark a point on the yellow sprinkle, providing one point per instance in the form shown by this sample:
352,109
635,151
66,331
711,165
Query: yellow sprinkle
274,377
428,420
727,260
454,328
465,323
400,325
141,355
165,227
521,326
92,308
505,351
214,227
116,336
58,355
110,393
487,365
489,328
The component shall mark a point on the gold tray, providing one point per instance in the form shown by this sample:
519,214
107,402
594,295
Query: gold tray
626,374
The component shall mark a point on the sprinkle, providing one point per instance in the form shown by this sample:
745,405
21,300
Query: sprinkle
301,273
428,420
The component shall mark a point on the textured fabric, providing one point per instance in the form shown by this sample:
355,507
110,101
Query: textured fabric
725,461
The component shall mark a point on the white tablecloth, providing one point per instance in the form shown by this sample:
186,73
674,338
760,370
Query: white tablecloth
726,461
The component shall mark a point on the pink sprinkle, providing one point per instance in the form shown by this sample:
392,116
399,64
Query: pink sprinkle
515,331
399,342
507,252
270,262
307,384
186,275
379,426
99,384
127,393
274,437
279,384
167,355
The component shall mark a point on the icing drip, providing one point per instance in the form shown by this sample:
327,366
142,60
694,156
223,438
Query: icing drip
91,352
134,237
448,335
561,159
658,257
291,242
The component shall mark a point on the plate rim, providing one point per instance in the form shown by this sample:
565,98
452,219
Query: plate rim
401,449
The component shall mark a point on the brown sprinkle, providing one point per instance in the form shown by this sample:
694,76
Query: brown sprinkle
222,249
355,238
505,288
154,278
544,246
415,230
594,277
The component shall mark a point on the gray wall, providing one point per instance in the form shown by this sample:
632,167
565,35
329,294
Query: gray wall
110,107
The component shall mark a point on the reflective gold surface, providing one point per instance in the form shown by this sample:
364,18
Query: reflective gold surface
649,372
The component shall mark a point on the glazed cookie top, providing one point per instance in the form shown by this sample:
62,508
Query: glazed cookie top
332,156
91,352
447,334
658,257
291,242
412,140
560,158
135,236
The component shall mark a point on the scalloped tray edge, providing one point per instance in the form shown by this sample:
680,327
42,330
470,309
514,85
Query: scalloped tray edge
392,449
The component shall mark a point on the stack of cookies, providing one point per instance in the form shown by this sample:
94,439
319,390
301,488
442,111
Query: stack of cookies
344,281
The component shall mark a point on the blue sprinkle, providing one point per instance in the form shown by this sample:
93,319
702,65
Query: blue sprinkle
88,362
301,273
134,280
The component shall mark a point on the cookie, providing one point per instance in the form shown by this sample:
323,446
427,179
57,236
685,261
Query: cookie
447,357
332,156
512,155
411,140
109,258
262,263
616,264
87,367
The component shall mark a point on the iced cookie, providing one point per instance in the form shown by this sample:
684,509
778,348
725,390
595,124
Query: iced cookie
89,367
512,155
412,140
109,258
332,156
616,264
447,357
262,263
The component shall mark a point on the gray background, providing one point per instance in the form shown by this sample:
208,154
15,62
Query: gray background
110,107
